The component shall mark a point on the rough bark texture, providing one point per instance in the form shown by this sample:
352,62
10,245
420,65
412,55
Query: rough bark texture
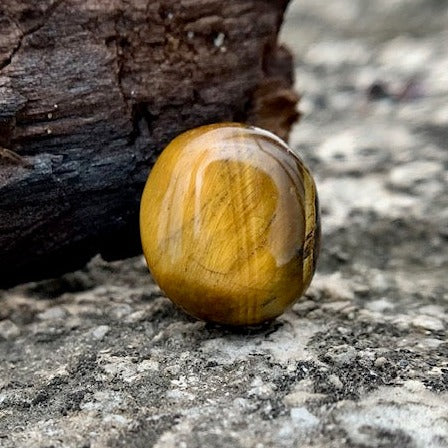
91,91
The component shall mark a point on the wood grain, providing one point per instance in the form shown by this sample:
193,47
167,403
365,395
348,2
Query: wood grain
91,91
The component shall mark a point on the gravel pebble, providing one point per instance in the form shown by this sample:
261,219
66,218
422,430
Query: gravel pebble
8,330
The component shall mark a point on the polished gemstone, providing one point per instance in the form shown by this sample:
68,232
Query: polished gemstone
229,223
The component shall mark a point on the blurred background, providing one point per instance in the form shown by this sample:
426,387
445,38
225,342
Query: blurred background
374,83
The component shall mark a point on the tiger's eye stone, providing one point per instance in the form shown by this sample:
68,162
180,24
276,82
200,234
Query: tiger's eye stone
229,223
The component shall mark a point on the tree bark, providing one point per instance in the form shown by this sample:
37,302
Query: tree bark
92,90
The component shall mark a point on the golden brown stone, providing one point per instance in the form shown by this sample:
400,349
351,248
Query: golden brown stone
230,224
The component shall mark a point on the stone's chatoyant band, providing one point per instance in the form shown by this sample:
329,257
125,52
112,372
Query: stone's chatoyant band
229,223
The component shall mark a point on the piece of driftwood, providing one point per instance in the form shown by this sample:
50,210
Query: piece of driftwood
92,90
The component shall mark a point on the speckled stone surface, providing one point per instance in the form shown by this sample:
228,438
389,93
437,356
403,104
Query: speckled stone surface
99,358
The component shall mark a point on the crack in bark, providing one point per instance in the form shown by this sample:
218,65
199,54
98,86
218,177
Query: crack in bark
47,15
119,62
